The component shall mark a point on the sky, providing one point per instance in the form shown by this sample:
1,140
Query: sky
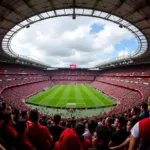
84,41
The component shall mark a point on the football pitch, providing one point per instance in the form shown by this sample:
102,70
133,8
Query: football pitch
83,96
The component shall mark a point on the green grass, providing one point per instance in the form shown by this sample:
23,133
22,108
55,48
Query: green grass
83,95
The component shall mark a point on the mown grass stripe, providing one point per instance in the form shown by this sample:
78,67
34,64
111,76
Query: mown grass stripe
59,95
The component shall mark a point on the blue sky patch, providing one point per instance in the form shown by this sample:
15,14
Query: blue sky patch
95,28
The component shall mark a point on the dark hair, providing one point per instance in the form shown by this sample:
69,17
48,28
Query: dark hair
4,105
34,115
144,106
21,126
63,123
79,128
109,120
136,110
6,117
133,121
104,134
23,113
92,124
57,118
69,124
122,121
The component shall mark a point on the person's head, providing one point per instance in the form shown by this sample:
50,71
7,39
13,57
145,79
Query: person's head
57,119
49,122
7,117
44,117
108,121
34,116
69,140
131,122
120,122
103,122
21,126
92,124
135,111
79,128
63,123
9,109
24,115
144,107
101,136
16,114
4,106
69,124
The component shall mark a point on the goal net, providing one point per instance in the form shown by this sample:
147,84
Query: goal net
71,105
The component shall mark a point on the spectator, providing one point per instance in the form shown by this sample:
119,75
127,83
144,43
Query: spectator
101,138
56,129
49,123
63,124
38,134
9,109
79,129
135,112
25,115
120,135
140,135
22,142
7,131
108,123
68,124
68,141
4,107
43,120
16,114
144,111
131,122
92,124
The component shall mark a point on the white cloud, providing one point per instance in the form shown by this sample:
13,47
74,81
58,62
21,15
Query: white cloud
123,53
63,41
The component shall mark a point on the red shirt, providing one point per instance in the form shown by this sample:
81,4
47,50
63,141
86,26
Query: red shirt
86,144
8,133
57,146
144,133
22,143
39,136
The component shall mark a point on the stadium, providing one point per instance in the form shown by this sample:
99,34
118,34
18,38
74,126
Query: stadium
109,88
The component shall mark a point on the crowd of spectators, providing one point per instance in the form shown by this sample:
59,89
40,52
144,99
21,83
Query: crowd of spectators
140,70
29,130
18,69
126,126
72,82
73,78
16,96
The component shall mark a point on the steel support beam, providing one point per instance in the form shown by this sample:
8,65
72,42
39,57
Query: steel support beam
138,8
115,8
53,6
96,3
140,20
33,9
11,21
9,8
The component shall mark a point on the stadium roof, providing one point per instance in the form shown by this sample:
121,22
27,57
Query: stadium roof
18,14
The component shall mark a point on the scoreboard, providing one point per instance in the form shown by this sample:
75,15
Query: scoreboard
73,66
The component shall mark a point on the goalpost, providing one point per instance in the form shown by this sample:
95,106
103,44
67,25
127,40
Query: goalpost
71,105
74,105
